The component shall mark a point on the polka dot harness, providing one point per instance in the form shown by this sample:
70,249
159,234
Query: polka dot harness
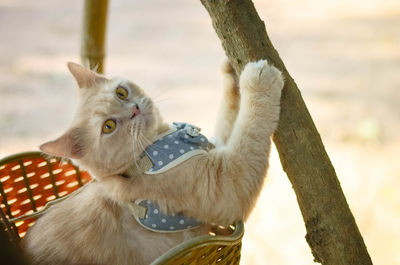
158,221
180,143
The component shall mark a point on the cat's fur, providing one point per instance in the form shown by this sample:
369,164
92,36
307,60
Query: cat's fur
219,187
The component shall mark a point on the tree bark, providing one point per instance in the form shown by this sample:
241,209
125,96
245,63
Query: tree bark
332,232
93,34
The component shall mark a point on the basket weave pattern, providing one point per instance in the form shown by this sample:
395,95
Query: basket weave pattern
28,181
207,254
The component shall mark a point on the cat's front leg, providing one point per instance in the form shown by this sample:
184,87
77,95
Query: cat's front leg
241,165
229,106
260,87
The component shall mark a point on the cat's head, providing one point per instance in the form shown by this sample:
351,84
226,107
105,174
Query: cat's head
114,123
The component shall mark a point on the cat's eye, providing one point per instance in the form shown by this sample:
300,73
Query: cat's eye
122,92
109,126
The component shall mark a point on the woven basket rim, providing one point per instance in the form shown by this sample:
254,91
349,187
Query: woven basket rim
21,155
201,241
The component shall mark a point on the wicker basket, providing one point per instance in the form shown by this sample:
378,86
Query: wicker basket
30,182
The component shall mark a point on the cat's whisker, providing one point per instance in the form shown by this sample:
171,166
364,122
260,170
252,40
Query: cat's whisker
156,100
160,93
136,147
138,129
161,100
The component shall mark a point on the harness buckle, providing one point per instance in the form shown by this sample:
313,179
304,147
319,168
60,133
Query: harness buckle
138,210
192,131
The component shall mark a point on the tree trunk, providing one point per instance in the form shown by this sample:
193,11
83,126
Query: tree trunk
93,34
332,232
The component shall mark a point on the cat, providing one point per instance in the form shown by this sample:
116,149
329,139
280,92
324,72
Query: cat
115,122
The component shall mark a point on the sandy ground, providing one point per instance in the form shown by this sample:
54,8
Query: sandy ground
344,55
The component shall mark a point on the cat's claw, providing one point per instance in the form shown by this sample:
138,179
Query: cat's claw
260,76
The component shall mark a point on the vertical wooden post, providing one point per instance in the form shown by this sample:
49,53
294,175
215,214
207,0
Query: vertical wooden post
332,232
93,34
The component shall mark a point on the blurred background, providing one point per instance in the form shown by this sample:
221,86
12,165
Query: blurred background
343,54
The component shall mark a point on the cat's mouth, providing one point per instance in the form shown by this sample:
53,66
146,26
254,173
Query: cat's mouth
135,111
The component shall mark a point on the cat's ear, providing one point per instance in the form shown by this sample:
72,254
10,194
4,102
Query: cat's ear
85,77
70,145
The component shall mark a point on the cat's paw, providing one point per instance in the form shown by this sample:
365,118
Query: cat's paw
226,68
230,84
261,77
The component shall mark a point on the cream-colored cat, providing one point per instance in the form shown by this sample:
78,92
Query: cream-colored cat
114,124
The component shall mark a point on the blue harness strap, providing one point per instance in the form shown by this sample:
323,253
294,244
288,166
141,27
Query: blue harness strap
182,142
158,221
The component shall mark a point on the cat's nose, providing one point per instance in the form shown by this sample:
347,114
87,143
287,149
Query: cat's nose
135,111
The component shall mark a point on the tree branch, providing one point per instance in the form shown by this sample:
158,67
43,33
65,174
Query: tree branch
332,232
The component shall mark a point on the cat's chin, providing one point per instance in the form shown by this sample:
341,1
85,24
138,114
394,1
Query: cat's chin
149,125
149,122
